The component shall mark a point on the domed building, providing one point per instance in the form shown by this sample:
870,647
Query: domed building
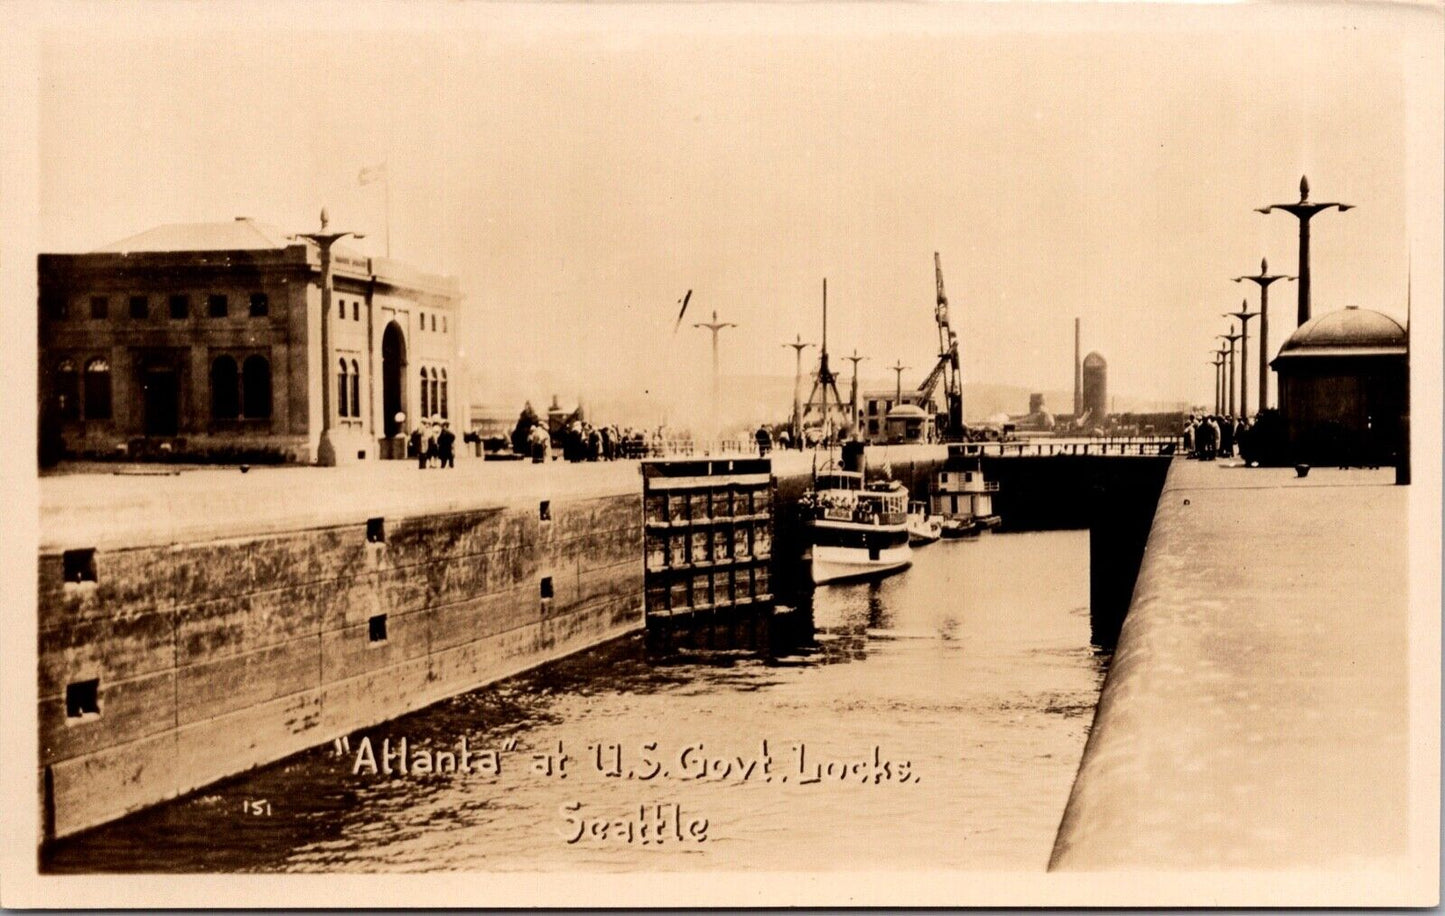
1342,378
909,423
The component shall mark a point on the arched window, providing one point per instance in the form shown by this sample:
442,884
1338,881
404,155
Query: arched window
355,389
225,392
67,390
444,394
256,387
342,388
435,394
424,390
97,389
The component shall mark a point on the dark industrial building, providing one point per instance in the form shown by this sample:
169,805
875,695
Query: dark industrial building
1342,379
204,339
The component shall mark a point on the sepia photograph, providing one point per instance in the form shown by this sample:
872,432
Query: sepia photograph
881,454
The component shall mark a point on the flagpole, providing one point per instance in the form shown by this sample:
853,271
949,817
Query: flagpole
386,179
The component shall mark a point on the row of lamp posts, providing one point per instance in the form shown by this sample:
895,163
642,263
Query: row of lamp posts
1224,358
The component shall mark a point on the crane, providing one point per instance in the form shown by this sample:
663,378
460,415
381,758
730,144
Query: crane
946,369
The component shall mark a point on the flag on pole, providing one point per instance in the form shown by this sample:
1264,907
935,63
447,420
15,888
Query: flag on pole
372,173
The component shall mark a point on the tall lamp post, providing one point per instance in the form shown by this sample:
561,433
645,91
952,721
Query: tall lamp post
1264,278
323,240
715,326
1218,364
898,369
855,359
798,347
1230,399
1303,210
1244,314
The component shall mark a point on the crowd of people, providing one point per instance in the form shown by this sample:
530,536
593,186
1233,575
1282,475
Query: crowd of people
581,441
1211,436
433,444
576,439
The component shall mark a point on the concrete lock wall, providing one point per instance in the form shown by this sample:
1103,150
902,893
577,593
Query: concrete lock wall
215,657
1256,713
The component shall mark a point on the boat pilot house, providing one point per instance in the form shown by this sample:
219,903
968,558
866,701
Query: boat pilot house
204,340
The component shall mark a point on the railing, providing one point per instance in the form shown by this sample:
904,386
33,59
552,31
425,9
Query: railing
1153,446
684,448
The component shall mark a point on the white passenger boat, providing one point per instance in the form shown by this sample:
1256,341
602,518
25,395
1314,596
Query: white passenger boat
923,528
854,530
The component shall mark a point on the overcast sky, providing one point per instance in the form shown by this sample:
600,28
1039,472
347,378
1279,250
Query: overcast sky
578,170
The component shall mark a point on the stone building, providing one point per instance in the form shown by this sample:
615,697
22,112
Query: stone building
1342,378
204,340
876,405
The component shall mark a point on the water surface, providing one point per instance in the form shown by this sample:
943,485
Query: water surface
970,675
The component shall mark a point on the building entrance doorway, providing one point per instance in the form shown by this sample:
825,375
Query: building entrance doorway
160,398
393,375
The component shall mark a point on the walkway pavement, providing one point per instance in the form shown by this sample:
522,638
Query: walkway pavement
150,505
1256,711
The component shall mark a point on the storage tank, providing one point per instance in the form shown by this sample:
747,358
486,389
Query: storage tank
1096,387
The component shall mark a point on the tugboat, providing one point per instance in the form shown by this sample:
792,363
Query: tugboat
923,528
954,528
963,497
855,530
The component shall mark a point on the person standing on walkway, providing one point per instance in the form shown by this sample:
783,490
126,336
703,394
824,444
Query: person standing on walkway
537,445
1201,439
764,440
418,447
446,446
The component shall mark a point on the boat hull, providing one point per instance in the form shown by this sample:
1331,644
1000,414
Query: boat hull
924,532
955,528
836,564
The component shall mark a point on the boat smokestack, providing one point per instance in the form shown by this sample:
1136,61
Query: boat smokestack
1078,374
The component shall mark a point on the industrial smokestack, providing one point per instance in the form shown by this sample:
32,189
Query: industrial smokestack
1078,374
